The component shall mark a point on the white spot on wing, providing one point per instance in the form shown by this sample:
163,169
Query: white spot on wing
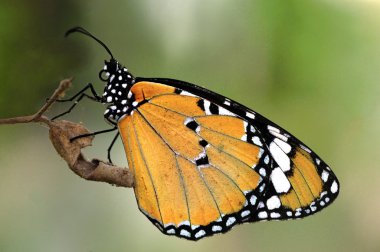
216,228
256,140
280,181
325,176
184,223
245,213
305,148
271,128
185,233
200,233
283,145
263,215
279,156
334,187
250,115
252,200
188,93
275,215
171,231
231,220
206,105
223,111
273,202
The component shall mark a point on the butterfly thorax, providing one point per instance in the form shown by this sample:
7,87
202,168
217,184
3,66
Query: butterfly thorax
117,93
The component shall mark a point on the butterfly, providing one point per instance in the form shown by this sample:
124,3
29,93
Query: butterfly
203,163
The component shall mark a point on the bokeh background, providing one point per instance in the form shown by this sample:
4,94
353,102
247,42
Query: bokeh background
311,66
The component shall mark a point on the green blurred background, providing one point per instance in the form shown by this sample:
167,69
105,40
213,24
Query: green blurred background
311,66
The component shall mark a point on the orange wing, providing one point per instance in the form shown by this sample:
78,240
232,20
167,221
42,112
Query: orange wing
201,167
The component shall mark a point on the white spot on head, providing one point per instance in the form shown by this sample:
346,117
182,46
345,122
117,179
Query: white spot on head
273,202
280,181
279,156
200,233
325,176
185,233
245,213
262,215
231,220
334,187
283,145
216,228
252,200
250,115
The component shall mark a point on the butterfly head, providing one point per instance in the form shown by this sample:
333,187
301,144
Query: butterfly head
118,82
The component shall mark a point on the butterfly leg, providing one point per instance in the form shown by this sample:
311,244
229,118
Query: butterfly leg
78,97
110,148
94,134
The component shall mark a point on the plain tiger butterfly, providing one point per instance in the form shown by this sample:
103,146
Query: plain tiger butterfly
203,163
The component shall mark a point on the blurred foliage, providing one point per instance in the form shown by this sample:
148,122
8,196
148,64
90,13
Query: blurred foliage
310,66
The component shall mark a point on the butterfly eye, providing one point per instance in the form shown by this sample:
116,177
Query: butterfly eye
104,75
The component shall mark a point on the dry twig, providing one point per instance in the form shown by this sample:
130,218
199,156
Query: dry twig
60,133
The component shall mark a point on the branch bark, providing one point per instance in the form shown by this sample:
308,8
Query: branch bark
60,133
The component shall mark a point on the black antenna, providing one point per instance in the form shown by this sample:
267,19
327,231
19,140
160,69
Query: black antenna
85,32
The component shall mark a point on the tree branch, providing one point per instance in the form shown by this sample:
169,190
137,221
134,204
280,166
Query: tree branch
60,133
